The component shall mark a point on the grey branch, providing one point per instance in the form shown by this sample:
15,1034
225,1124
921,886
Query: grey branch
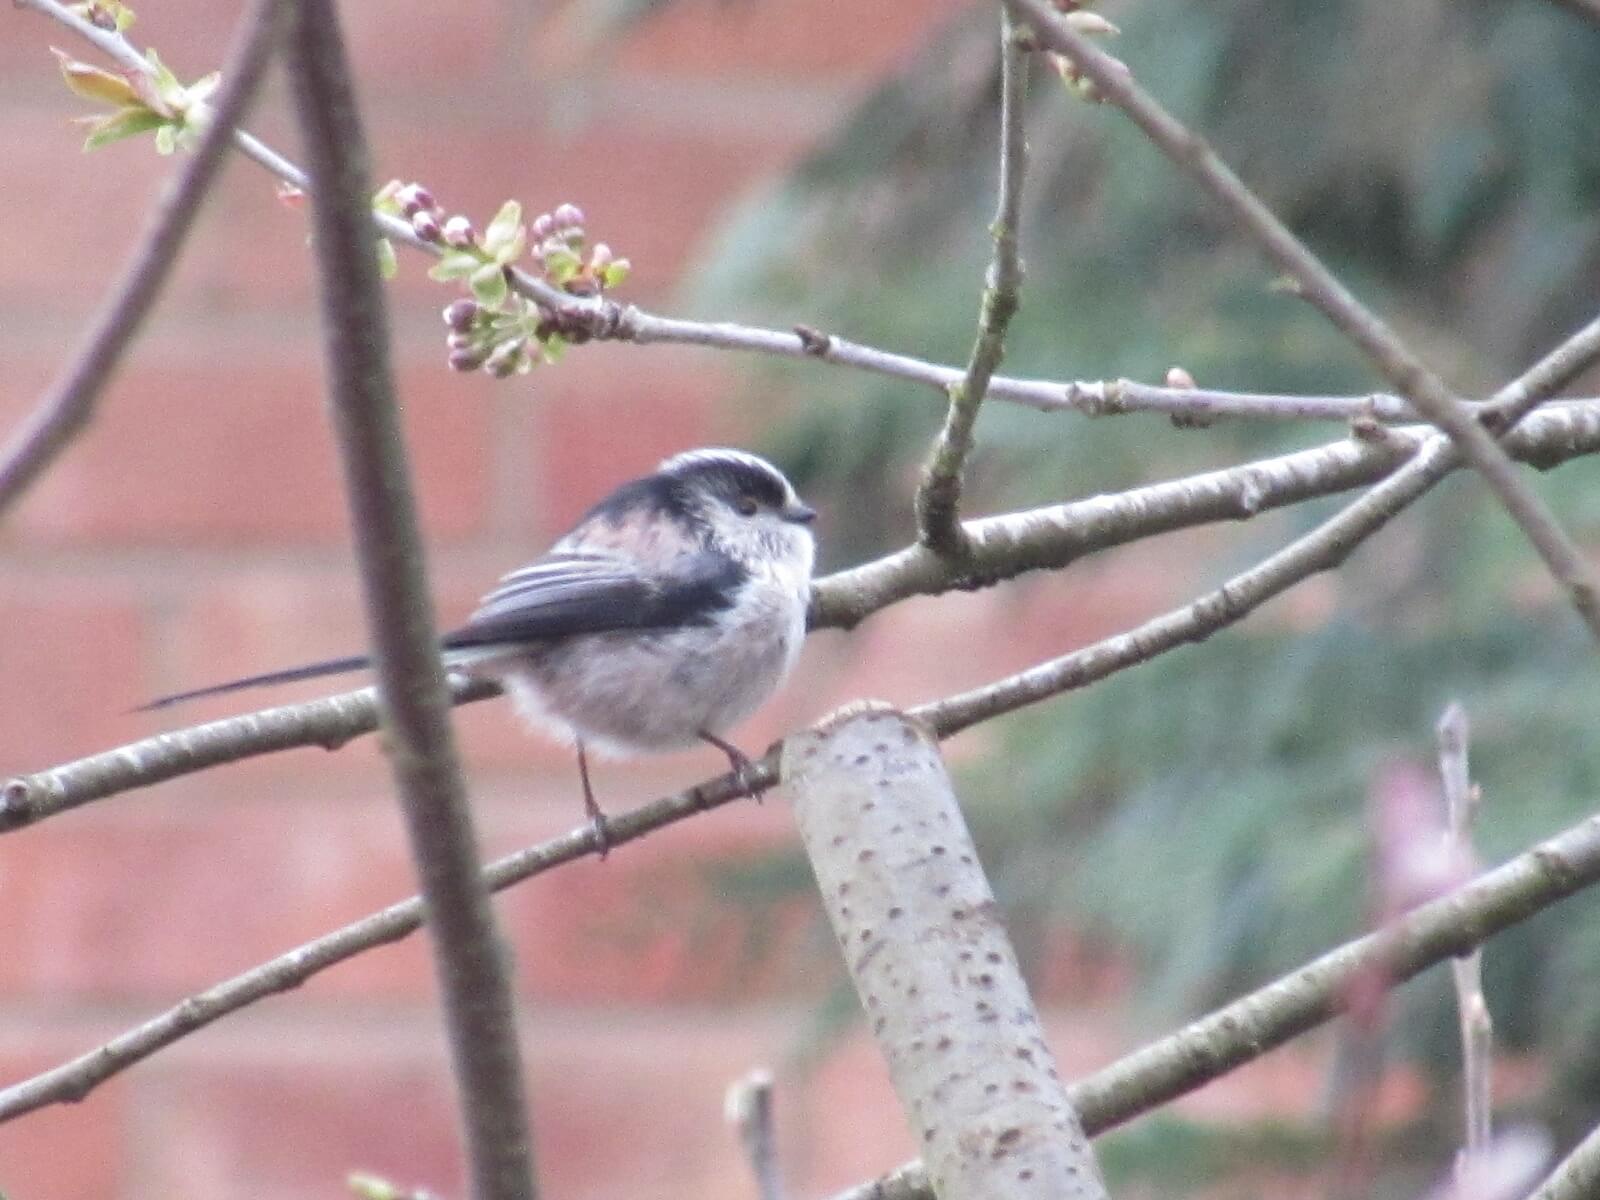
1323,548
1001,548
1576,1177
75,1079
1389,354
1205,1050
627,323
1284,1009
67,408
922,938
476,990
1193,156
938,498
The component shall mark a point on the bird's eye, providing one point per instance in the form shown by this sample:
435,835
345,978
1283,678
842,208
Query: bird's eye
746,506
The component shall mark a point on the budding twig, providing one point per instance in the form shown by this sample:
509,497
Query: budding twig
939,494
1388,353
68,406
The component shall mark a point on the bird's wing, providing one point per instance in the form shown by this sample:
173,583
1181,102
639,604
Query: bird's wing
576,592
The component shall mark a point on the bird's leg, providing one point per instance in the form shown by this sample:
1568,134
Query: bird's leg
597,819
743,768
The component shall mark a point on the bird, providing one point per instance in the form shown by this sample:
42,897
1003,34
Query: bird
670,612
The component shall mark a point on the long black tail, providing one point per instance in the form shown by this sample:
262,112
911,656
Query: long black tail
332,666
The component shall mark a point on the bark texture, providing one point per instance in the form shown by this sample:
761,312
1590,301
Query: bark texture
937,975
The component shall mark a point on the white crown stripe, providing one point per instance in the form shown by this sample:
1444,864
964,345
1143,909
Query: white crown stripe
723,457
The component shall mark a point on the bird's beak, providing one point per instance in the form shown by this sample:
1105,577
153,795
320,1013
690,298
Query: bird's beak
799,513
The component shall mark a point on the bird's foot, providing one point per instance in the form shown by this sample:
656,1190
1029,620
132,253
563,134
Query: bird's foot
597,819
600,826
744,770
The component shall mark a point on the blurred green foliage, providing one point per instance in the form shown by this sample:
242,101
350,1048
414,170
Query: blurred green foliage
1206,813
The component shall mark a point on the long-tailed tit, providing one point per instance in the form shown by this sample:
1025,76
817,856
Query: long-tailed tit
668,614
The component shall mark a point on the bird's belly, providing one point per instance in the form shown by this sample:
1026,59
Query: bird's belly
634,692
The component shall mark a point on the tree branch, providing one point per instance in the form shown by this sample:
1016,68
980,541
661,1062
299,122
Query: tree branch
1193,156
1273,1015
1002,548
68,406
479,1017
627,323
1576,1177
1174,1066
1322,548
938,498
74,1080
936,974
1389,354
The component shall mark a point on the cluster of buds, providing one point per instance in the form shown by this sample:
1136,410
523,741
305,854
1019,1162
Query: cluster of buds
140,101
559,248
496,329
493,341
416,204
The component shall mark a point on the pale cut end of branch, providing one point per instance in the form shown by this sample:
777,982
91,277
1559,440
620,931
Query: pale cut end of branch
1506,1169
921,935
748,1107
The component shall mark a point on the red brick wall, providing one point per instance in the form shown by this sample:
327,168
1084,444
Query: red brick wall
196,532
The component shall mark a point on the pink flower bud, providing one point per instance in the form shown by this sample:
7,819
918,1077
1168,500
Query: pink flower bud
467,360
458,232
543,226
460,314
600,257
426,225
414,198
568,216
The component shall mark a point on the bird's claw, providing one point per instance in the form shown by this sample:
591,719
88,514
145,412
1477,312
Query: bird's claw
600,826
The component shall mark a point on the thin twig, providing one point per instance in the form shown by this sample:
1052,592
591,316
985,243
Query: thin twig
479,1016
1002,548
74,1080
1477,1029
67,408
1271,1016
938,499
1192,155
1150,1077
1388,353
627,323
1321,549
